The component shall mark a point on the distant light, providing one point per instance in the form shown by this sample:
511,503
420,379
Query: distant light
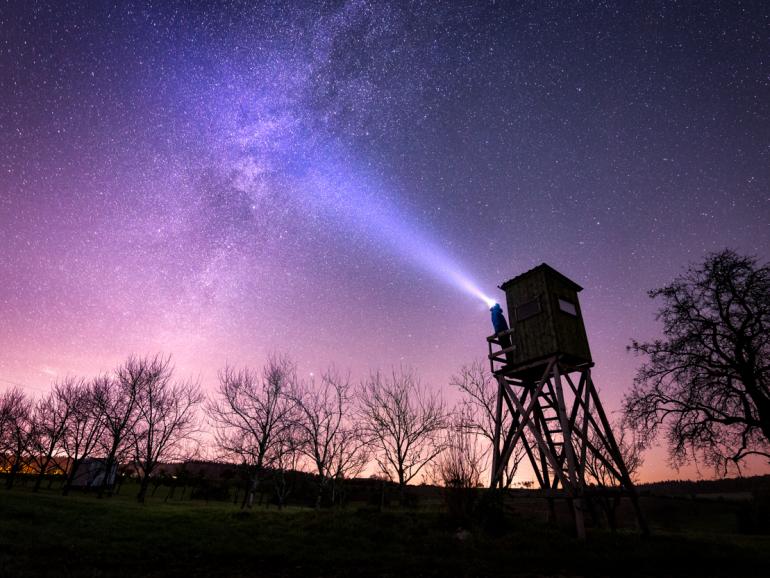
490,302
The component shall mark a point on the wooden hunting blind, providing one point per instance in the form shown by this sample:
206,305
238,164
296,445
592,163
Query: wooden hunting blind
546,398
545,316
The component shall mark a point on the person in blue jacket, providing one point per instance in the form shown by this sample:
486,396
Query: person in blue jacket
500,325
498,319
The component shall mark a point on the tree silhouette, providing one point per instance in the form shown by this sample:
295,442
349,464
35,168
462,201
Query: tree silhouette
51,418
707,381
327,436
166,417
84,426
16,431
116,404
404,423
250,412
479,400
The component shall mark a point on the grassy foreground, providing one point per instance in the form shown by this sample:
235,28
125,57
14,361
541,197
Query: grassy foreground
49,535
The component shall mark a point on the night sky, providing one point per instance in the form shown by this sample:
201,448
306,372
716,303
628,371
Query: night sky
340,181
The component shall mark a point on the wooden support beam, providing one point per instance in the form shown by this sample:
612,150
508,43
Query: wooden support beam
584,426
543,460
622,466
568,450
558,437
496,444
531,456
527,421
524,414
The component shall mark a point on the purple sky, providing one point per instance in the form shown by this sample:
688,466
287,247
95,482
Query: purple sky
224,181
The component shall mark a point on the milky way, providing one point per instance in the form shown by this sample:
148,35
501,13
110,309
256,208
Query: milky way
343,181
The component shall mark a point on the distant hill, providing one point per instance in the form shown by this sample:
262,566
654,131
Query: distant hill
751,484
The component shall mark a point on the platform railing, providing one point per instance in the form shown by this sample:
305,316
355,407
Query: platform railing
501,345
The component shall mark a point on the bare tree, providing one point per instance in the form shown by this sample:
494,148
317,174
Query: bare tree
50,418
17,430
249,413
707,382
459,467
5,417
116,400
327,437
350,458
479,400
166,412
84,426
285,463
9,401
462,462
403,423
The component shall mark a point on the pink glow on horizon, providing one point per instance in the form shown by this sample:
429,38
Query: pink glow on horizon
347,184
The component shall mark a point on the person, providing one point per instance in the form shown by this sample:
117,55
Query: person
500,324
498,319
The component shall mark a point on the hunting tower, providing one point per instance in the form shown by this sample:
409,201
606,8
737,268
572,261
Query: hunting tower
545,314
546,398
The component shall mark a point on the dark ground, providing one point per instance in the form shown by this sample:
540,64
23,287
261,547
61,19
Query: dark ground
46,534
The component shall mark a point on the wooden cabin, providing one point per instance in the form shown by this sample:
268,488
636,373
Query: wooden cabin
545,318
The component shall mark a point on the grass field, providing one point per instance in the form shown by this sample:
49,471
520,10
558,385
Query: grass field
46,534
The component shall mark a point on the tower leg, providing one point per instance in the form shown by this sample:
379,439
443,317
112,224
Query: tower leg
618,457
569,452
558,442
495,479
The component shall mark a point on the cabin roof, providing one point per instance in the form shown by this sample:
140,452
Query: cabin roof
548,270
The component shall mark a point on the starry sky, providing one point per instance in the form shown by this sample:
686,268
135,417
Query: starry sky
341,181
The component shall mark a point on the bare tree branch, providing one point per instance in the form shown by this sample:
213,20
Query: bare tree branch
707,383
250,412
403,423
16,432
85,426
479,399
327,434
51,418
166,416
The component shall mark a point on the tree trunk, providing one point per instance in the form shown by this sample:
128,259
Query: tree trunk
118,483
382,496
107,469
248,498
401,488
41,473
761,402
143,485
71,477
12,474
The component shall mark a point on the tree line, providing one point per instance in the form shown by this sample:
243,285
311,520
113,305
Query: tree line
261,419
703,385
